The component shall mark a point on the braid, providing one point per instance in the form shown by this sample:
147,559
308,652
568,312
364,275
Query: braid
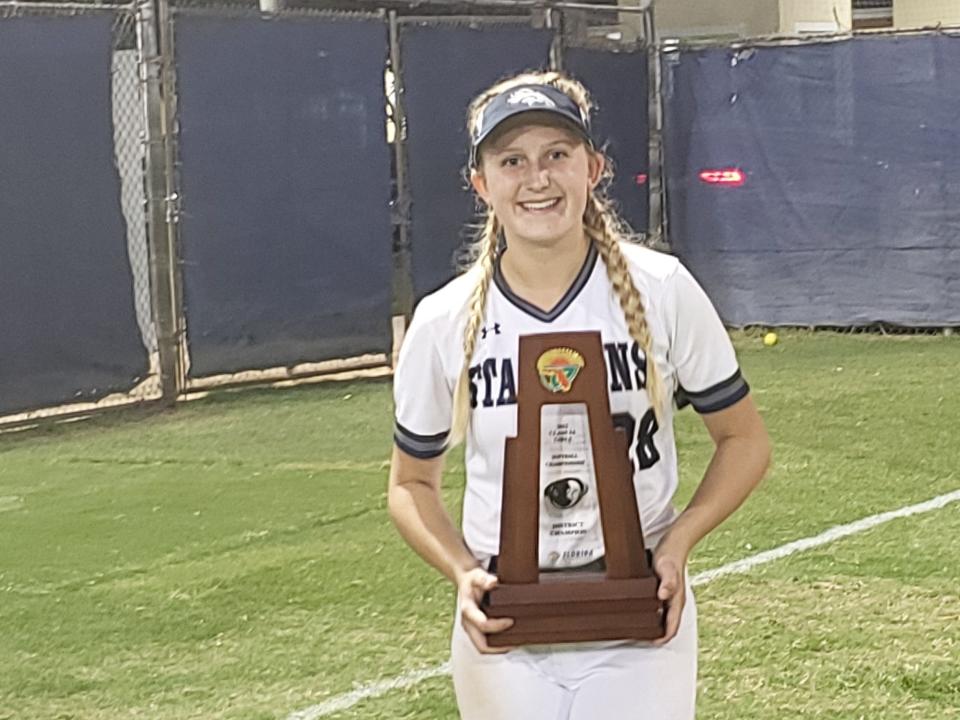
486,260
601,225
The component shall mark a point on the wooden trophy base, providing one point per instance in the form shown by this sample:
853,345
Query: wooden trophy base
576,607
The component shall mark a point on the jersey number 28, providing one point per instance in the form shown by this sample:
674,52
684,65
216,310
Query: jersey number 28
641,449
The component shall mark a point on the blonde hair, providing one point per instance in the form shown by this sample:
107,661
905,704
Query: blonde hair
601,224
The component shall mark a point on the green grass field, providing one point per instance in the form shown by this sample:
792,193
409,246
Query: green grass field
234,559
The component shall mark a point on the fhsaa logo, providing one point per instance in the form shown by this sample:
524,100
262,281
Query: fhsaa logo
530,97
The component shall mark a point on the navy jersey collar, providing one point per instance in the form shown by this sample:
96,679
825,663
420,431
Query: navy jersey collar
579,282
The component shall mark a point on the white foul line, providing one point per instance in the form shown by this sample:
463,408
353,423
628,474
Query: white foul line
347,700
342,702
835,533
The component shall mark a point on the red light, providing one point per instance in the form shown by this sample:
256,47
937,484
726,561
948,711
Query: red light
729,177
640,178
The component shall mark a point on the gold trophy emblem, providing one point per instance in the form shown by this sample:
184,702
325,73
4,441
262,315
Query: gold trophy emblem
558,368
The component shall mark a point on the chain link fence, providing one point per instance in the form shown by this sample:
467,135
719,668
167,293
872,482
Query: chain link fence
129,138
129,133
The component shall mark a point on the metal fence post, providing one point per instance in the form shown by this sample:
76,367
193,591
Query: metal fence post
403,299
555,22
155,63
657,221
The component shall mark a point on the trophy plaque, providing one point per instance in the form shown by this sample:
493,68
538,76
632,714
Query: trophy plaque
568,501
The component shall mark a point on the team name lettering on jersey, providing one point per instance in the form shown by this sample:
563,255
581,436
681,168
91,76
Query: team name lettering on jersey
493,384
487,372
626,370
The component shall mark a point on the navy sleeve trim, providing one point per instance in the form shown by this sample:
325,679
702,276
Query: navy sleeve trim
438,437
719,397
420,446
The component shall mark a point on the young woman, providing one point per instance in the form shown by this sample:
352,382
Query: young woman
552,257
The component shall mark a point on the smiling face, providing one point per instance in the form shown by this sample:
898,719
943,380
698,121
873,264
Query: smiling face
535,174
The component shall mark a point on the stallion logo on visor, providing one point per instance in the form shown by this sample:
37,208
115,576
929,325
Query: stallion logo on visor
531,97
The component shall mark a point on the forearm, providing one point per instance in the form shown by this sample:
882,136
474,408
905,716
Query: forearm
737,467
418,512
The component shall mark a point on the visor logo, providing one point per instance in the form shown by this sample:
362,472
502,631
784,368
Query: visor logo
530,97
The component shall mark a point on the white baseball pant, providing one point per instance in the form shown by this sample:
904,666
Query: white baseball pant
582,681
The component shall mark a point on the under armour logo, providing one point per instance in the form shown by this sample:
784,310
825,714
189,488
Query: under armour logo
529,96
483,331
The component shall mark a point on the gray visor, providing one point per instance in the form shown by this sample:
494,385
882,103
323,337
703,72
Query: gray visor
526,98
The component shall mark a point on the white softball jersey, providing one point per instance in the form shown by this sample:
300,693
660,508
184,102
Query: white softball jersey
691,348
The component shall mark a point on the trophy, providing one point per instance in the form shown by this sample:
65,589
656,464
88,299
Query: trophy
568,502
